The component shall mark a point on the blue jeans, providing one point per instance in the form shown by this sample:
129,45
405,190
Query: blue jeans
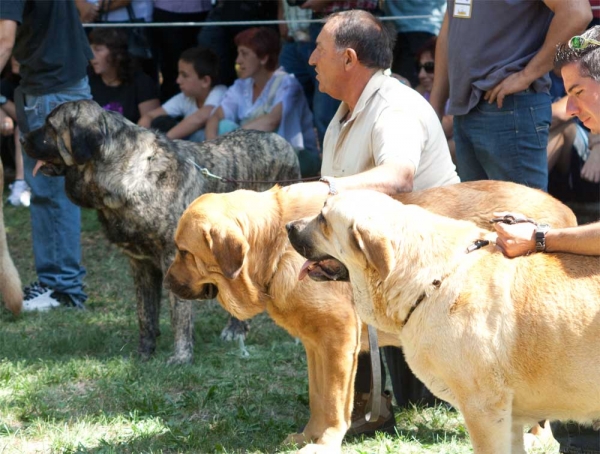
55,220
506,144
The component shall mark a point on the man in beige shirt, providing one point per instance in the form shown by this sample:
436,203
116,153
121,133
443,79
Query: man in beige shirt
384,136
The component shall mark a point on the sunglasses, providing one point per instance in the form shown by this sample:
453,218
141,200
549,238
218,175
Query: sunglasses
428,67
579,42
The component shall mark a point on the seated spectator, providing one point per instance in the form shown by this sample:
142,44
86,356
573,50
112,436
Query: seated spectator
267,99
573,152
198,72
425,59
20,193
125,11
114,82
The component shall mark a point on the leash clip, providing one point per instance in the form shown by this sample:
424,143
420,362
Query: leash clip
513,219
477,244
204,171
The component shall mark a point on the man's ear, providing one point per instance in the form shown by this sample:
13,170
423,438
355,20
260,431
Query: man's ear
350,58
229,251
377,249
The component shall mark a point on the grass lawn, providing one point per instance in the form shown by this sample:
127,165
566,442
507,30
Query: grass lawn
70,381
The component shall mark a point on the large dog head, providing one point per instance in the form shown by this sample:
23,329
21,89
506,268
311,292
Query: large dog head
214,241
337,238
73,132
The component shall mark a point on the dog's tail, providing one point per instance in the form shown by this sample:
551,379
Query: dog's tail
10,283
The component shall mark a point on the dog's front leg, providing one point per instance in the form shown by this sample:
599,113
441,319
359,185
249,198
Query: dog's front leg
148,287
332,360
182,322
489,424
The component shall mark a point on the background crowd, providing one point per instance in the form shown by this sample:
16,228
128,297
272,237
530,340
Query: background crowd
503,118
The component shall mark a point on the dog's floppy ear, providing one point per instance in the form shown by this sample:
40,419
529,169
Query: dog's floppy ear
84,141
229,251
377,249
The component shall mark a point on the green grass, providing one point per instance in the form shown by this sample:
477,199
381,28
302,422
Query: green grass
70,381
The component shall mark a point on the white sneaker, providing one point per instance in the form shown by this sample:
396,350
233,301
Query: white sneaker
20,194
38,298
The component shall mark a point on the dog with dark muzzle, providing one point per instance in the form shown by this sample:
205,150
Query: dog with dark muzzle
140,182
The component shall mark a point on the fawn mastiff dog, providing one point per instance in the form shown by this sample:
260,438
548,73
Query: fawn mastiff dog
507,341
234,247
10,284
139,182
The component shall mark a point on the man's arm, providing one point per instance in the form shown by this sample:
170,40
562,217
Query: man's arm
441,85
519,239
570,18
8,31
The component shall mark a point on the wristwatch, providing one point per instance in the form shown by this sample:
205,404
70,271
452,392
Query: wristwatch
540,237
331,183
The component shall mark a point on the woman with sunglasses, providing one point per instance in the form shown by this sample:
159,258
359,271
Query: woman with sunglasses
425,59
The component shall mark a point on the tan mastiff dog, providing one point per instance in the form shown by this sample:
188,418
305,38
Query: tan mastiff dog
10,284
507,341
234,247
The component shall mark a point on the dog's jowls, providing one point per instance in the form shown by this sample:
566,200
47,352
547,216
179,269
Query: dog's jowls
140,182
507,341
10,284
235,246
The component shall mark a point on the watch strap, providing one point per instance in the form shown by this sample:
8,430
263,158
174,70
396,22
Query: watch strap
540,237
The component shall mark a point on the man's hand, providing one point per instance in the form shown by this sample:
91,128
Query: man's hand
512,84
515,239
7,125
591,169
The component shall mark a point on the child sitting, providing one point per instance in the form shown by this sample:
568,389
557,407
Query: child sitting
198,72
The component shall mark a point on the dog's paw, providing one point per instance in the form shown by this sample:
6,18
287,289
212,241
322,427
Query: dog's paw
180,358
235,330
296,439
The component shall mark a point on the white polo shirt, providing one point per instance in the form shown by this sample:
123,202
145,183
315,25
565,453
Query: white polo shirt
390,122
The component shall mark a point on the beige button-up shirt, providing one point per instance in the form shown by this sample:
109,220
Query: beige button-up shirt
391,122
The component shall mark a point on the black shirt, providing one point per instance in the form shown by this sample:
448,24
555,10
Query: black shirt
125,98
51,45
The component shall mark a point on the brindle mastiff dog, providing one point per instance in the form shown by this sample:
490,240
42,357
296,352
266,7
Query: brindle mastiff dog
10,284
234,245
140,183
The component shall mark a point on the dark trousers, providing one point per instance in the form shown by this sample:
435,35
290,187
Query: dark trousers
408,390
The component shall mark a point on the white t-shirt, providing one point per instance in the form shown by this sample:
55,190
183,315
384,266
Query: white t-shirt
181,105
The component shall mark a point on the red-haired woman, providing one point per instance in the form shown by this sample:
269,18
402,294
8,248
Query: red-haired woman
266,98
